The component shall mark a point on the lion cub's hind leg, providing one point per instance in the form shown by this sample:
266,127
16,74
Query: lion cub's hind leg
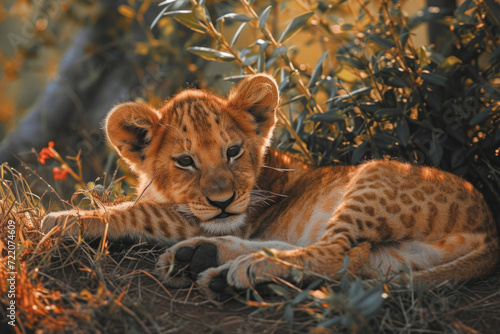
455,258
465,256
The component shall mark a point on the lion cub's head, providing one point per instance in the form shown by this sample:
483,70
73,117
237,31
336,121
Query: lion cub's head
199,151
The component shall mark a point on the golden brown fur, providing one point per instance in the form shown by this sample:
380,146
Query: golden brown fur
211,187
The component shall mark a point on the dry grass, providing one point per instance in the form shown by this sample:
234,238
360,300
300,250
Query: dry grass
77,286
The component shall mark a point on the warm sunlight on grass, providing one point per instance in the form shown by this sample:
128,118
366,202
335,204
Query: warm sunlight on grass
76,285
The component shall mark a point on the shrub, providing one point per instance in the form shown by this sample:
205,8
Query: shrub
373,93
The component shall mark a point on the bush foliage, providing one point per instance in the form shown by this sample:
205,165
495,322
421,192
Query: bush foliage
373,93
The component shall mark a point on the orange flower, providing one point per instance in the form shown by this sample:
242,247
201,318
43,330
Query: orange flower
46,153
59,173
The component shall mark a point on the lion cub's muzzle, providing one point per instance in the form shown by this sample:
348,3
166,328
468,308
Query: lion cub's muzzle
222,207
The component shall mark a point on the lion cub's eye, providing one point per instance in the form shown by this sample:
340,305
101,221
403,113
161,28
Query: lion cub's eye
184,161
233,151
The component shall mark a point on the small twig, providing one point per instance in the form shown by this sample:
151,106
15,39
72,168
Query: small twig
142,193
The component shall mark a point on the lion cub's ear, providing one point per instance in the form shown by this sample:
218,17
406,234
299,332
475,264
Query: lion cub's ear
259,95
130,127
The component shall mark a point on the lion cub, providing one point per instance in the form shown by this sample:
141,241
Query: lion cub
211,186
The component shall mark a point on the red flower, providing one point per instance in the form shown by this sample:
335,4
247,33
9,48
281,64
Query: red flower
59,173
46,153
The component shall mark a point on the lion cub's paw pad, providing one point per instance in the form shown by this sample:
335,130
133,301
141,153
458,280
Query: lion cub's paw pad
205,256
213,283
188,262
172,275
218,284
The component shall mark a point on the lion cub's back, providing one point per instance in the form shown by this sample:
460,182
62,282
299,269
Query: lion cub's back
426,202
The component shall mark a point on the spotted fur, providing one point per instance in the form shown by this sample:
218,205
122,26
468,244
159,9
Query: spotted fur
211,186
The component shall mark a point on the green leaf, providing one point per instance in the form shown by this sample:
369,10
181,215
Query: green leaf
186,17
386,113
483,115
334,115
263,16
301,296
288,315
435,79
339,98
492,92
403,36
422,56
293,100
458,157
360,91
235,17
369,107
345,284
331,322
295,25
494,55
237,33
262,44
433,99
370,303
166,2
261,63
390,98
318,70
285,78
201,13
356,292
299,129
449,64
394,78
403,131
348,109
351,62
384,140
381,41
211,54
158,17
493,8
250,60
467,4
315,89
359,152
279,290
236,78
346,26
436,152
268,252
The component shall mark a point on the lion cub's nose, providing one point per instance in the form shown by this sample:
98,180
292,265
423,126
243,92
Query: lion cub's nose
221,204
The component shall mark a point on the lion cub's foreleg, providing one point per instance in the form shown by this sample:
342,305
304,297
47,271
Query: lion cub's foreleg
150,221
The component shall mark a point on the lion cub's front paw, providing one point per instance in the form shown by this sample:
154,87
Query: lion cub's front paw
180,265
66,220
213,283
245,272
